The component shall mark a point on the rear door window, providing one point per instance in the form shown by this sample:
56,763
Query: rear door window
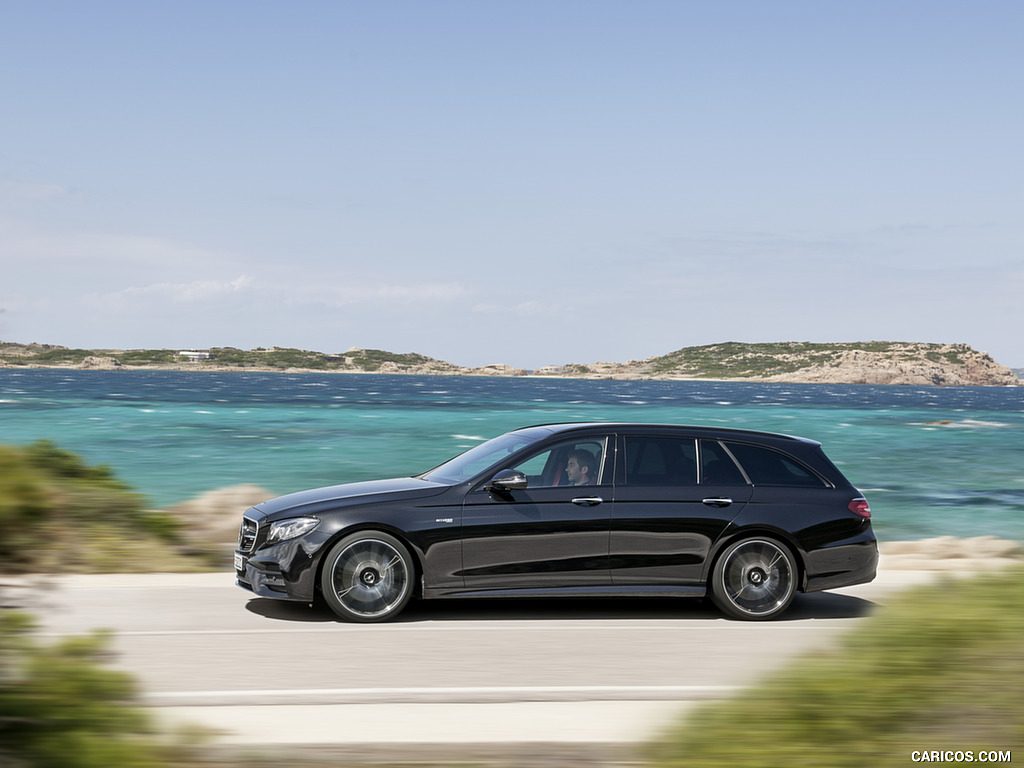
660,461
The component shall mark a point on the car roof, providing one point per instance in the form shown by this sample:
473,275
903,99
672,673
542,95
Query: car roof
557,428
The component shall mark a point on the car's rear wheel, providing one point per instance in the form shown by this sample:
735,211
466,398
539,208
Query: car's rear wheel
754,579
367,577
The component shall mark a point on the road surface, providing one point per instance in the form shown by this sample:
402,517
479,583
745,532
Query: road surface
597,675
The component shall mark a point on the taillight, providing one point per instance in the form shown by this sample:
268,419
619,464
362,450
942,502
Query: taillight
859,506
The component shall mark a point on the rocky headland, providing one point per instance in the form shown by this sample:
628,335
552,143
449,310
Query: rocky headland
872,362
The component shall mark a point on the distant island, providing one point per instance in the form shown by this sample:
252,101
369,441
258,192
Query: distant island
868,362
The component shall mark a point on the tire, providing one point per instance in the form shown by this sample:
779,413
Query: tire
754,579
368,577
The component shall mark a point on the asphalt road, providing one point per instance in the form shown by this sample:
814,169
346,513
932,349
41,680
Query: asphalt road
590,674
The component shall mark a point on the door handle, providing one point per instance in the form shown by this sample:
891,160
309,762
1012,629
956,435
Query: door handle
588,501
718,501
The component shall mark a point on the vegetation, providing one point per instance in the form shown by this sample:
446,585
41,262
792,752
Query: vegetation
59,514
61,356
941,668
373,359
60,708
281,358
576,369
274,358
146,357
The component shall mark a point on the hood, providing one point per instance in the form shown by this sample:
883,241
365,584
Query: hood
334,496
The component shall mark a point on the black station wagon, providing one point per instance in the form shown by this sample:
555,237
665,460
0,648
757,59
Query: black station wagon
749,518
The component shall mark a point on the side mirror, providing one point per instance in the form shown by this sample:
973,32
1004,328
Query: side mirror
507,480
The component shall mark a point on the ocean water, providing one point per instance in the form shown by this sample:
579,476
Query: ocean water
932,461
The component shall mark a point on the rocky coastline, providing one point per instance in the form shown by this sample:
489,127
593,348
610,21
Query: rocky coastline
873,363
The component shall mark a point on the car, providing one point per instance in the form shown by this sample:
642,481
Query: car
746,518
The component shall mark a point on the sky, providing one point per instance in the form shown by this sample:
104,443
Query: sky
531,182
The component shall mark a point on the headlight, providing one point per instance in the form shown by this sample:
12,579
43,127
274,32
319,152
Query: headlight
283,530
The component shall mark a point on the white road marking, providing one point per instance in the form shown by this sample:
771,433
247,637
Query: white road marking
519,690
497,626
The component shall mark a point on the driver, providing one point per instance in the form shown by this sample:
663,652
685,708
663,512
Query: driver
582,467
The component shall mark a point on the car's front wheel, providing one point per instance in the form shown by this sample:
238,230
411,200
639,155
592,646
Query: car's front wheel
754,579
367,577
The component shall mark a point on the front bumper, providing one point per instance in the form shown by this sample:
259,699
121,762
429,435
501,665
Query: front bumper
264,584
285,571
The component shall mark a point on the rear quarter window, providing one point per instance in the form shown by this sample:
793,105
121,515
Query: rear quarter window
717,467
767,467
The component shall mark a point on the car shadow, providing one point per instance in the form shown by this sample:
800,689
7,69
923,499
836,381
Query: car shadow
827,605
283,610
556,609
819,605
805,607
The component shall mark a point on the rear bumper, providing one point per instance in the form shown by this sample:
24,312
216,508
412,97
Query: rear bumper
844,564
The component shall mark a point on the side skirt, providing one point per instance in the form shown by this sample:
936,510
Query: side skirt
589,591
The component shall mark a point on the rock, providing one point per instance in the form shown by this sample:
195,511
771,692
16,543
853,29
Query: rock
101,363
497,369
210,522
946,553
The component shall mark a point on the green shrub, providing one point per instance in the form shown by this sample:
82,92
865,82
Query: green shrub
58,512
45,455
941,668
60,708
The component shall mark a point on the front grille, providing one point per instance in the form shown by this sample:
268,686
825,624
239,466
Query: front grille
247,535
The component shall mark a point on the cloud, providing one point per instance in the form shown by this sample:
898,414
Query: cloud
539,309
192,292
416,292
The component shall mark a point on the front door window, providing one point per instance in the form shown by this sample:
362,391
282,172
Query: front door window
573,462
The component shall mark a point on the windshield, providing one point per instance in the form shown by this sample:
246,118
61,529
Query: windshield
476,460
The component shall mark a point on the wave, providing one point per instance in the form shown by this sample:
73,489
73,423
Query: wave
1007,498
965,424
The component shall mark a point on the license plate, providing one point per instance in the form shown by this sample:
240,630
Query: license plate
239,562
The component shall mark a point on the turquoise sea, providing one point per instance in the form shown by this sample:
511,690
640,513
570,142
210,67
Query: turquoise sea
932,460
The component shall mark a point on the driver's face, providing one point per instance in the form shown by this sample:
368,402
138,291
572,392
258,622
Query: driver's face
574,471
